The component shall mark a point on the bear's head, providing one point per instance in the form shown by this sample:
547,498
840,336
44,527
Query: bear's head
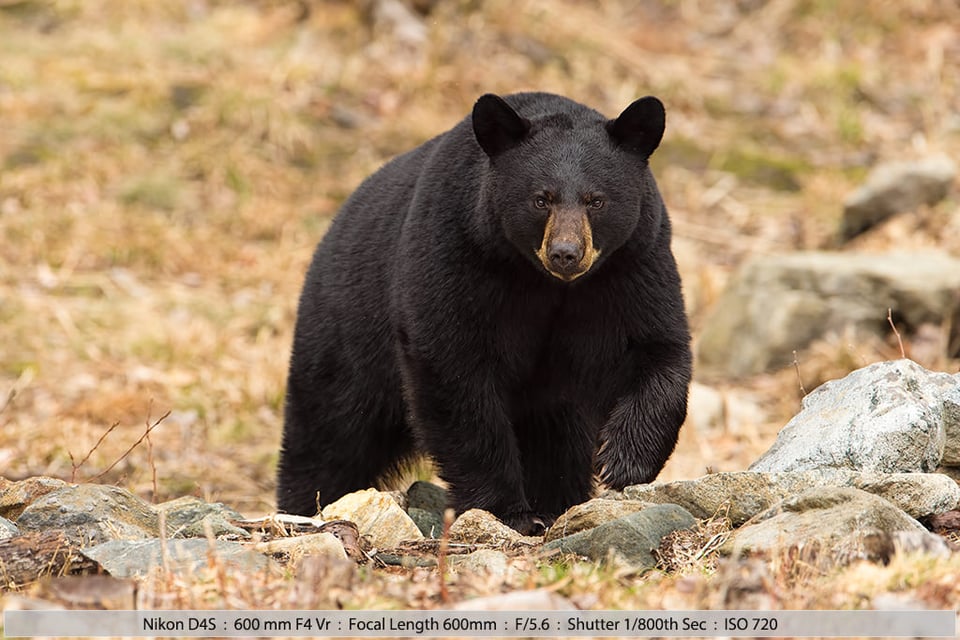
569,187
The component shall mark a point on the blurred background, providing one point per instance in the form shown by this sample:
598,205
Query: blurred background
166,169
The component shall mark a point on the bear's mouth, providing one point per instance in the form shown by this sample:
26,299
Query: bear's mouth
567,250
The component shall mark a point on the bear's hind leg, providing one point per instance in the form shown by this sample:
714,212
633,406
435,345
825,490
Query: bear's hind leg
335,443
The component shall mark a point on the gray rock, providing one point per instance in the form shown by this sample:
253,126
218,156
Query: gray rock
427,496
832,526
950,394
8,529
90,514
740,495
189,517
127,558
775,305
632,539
590,514
887,417
377,515
894,188
430,523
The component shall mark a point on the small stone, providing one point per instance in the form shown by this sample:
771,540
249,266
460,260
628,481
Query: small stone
477,526
377,515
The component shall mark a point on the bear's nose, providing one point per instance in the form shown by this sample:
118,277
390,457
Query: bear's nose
565,256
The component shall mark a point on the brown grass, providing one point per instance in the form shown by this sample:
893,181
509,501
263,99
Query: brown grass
166,169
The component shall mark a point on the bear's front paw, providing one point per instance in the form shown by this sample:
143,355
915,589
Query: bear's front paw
526,522
616,472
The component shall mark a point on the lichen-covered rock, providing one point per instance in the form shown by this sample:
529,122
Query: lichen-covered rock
190,517
90,514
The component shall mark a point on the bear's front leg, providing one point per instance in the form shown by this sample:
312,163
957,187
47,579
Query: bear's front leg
642,429
460,420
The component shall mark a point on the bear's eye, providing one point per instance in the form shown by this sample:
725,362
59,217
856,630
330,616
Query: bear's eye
540,202
597,203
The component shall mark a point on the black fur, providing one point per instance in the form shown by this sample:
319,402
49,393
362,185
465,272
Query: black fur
427,322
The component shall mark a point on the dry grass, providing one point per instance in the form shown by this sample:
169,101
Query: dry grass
166,169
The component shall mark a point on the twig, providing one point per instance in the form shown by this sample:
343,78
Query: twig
150,461
9,399
796,366
76,465
903,353
146,433
442,555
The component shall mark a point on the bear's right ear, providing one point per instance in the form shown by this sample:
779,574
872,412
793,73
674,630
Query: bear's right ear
496,125
639,128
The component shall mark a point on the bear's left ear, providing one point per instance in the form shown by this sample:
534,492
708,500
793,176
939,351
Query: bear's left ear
639,128
496,125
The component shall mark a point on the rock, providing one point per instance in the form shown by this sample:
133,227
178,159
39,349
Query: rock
429,523
188,517
831,526
89,514
894,188
128,558
8,529
919,494
17,496
378,517
778,304
294,549
591,514
740,495
427,496
887,417
533,600
950,394
631,539
477,526
735,495
489,562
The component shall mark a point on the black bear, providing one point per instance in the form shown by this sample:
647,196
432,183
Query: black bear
502,298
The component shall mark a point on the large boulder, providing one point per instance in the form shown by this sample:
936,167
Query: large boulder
888,417
779,304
